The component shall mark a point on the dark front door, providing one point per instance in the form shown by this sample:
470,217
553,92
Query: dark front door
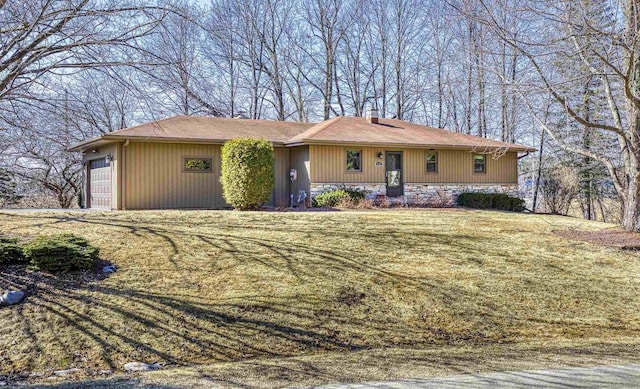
393,173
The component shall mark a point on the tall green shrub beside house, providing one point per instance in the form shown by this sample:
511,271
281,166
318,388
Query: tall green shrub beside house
247,172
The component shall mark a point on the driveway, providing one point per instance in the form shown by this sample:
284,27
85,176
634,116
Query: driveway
612,376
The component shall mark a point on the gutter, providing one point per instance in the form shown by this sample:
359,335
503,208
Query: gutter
390,145
108,138
80,145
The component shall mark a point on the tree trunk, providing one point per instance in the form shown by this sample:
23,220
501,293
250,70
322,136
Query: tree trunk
631,197
469,69
337,88
584,164
503,94
328,87
536,186
630,144
631,212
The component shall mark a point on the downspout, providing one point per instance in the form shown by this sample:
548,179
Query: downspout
523,156
85,187
122,175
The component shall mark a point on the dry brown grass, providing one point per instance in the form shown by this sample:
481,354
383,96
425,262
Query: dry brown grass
372,365
203,287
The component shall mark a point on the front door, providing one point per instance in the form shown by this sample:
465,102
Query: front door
393,173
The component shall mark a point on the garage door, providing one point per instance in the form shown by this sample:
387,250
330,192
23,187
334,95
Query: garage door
100,184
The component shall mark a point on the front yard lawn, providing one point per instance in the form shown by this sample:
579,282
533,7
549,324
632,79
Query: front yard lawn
201,287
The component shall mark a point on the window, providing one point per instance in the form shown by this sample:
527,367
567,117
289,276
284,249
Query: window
98,163
479,163
432,162
354,159
197,165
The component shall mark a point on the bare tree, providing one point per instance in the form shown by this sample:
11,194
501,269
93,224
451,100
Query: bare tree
38,153
38,38
327,23
606,41
48,43
299,87
357,63
109,64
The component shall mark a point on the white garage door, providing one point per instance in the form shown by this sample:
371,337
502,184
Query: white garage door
100,184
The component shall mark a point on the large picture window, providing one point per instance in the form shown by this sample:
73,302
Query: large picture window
197,165
479,163
354,160
432,162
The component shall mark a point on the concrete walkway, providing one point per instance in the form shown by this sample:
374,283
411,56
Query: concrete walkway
613,376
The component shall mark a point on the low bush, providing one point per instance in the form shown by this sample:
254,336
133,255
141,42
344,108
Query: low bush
474,200
499,201
348,203
507,203
337,196
61,253
10,251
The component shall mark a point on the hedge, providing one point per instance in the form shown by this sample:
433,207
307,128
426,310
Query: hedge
247,172
499,201
61,253
10,251
332,198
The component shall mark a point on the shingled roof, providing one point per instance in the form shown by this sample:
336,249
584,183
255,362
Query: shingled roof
340,130
352,130
204,129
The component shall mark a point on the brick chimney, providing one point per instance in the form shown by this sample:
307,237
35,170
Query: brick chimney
372,115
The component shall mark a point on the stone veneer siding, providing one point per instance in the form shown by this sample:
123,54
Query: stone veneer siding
447,194
420,193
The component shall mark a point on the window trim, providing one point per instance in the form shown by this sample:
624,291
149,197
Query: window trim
184,163
346,165
484,164
426,162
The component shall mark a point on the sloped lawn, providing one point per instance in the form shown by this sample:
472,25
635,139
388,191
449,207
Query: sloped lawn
201,287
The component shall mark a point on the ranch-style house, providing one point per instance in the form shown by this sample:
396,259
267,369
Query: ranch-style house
175,162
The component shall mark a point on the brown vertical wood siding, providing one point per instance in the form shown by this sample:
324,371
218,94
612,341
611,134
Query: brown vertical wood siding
299,160
154,177
116,186
456,166
328,165
281,188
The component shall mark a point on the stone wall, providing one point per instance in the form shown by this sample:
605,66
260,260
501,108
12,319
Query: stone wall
427,194
447,194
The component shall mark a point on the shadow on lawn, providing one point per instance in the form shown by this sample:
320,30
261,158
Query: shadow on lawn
388,367
111,383
111,326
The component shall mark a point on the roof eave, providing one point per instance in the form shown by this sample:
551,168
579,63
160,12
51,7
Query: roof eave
86,144
81,146
303,142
